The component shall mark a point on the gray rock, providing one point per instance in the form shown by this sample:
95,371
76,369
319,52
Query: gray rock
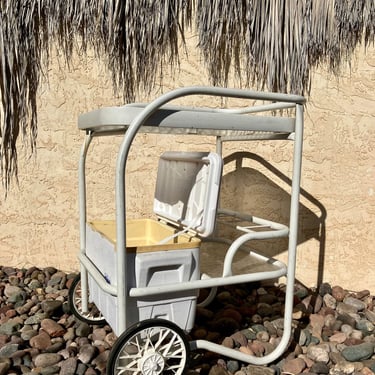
264,309
258,370
25,308
355,303
258,328
319,368
36,319
69,366
83,329
346,319
325,288
370,315
365,326
263,336
81,369
7,350
34,284
233,366
270,328
249,333
50,370
330,301
55,347
344,308
300,291
50,306
69,334
318,353
358,352
87,353
9,327
278,323
47,359
11,291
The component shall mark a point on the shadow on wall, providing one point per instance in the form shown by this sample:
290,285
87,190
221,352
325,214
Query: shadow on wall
255,191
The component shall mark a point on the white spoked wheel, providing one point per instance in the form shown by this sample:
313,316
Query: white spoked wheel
93,315
150,347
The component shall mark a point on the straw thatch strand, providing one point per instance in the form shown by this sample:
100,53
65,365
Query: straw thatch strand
136,38
269,44
274,44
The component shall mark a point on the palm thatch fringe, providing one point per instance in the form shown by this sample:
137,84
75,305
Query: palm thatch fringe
270,44
136,39
274,44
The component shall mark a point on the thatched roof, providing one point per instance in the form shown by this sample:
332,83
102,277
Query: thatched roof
270,44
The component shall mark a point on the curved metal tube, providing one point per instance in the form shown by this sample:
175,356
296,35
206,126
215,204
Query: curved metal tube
121,209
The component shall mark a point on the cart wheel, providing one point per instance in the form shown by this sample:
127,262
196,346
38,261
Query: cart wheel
93,315
150,347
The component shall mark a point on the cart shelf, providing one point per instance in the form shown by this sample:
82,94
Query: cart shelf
187,120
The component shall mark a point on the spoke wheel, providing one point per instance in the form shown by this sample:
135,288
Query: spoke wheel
150,347
93,315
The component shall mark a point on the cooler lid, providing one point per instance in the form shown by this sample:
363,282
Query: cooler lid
187,190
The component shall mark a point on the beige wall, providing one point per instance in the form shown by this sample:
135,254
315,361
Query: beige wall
39,219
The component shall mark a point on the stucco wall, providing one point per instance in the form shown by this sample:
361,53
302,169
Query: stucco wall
39,219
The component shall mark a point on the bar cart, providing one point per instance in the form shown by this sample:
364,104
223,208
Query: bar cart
143,276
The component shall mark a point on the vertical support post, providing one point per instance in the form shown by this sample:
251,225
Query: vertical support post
293,220
83,215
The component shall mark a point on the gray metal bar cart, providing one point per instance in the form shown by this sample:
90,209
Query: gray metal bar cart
120,297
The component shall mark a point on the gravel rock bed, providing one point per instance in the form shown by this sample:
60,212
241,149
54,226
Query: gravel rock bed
333,329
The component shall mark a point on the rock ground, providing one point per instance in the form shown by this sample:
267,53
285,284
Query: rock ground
333,329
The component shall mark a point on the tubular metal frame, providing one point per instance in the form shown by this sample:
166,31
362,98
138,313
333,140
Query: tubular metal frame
121,290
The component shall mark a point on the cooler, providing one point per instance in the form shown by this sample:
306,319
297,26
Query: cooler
162,251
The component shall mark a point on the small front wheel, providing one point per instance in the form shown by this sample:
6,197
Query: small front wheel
93,315
150,347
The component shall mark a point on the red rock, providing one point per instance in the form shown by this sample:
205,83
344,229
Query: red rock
257,348
99,334
317,323
101,360
52,328
41,341
246,350
362,294
218,370
3,339
338,293
338,337
231,313
228,342
352,341
366,371
11,313
294,366
213,336
200,333
239,338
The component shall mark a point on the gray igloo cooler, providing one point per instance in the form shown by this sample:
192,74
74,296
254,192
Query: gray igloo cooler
161,251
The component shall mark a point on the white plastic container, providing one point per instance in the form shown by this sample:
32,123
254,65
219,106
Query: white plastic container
163,251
